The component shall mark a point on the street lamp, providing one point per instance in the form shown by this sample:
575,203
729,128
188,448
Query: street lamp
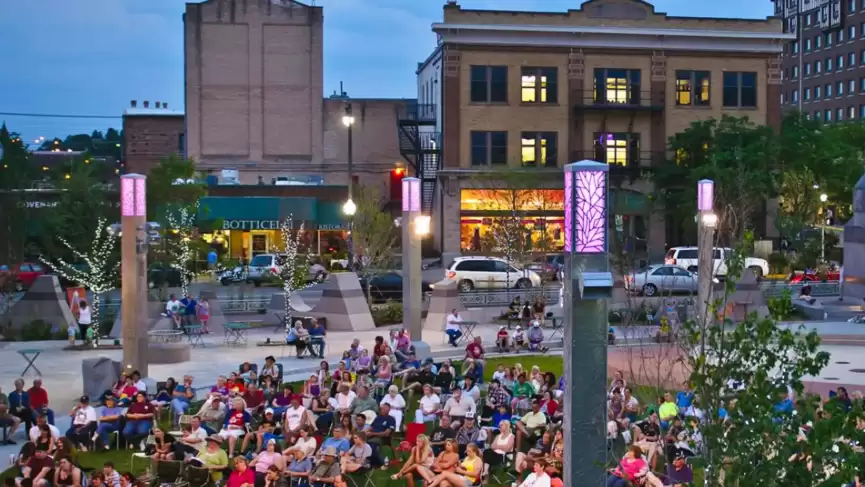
823,198
707,220
414,227
349,208
588,287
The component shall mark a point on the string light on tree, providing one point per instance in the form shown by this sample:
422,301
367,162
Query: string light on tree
99,272
181,222
292,272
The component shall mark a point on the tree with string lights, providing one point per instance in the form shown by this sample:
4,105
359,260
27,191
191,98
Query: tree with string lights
99,267
181,223
292,265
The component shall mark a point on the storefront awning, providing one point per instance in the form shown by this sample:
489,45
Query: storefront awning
268,213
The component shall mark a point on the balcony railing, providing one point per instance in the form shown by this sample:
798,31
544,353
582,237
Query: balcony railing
417,112
633,161
620,100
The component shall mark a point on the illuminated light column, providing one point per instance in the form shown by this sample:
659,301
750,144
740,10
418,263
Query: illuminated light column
133,264
588,285
706,222
414,227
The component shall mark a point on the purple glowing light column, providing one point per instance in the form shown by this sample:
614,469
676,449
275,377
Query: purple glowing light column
414,227
133,264
706,221
588,285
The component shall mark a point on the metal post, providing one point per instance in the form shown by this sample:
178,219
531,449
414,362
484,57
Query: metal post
706,220
823,243
413,226
348,121
133,264
588,286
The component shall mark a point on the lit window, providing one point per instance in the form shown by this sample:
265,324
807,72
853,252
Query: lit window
529,88
539,149
620,149
617,86
851,112
543,91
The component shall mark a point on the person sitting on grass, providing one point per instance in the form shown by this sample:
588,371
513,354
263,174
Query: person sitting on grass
442,434
519,339
112,476
294,418
37,471
538,477
306,442
465,474
536,337
358,456
164,447
532,424
503,339
475,351
419,462
235,424
66,473
646,435
337,442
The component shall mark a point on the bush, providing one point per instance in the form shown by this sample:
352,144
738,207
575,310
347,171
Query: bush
781,307
36,330
779,263
389,313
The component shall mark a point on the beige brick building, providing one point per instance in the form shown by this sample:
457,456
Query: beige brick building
610,81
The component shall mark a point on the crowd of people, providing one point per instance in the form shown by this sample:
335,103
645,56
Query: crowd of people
454,427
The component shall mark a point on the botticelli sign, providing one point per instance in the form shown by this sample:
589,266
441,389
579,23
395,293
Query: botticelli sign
246,225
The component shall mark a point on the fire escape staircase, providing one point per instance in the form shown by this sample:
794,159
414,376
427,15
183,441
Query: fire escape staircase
420,146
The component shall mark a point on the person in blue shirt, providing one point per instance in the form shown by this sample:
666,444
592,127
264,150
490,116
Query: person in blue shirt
316,339
382,427
109,421
19,404
685,398
337,441
189,309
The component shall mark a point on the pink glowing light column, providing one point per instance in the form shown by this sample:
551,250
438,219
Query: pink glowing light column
588,285
133,262
414,227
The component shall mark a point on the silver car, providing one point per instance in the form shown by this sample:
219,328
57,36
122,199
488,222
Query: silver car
662,278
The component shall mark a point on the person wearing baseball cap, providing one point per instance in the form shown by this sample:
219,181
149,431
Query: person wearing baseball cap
109,420
327,469
84,422
264,430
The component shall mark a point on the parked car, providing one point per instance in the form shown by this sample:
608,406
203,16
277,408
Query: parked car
489,273
388,286
661,279
264,265
548,266
800,277
160,275
687,257
25,274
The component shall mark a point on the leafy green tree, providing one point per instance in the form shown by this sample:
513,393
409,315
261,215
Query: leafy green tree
373,236
742,374
15,174
738,155
163,190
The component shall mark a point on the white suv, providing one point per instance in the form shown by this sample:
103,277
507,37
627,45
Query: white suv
489,273
263,265
687,257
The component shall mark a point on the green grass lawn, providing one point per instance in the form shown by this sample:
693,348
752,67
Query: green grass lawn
547,363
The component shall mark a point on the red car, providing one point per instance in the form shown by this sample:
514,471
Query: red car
25,273
799,277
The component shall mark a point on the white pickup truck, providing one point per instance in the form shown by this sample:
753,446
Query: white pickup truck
687,257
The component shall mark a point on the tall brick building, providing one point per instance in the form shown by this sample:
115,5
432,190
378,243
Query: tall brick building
610,81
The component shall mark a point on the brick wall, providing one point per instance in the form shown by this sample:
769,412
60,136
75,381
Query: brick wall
147,139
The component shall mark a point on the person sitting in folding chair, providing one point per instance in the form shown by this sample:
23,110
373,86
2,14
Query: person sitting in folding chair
327,470
358,456
84,422
236,422
299,337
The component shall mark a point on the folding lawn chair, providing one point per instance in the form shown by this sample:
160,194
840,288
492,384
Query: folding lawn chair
196,476
169,472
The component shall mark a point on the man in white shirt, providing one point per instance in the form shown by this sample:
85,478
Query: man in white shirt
452,329
34,430
138,383
538,477
293,419
428,406
458,405
84,422
172,309
192,441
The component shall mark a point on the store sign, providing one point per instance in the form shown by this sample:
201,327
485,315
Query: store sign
330,226
251,224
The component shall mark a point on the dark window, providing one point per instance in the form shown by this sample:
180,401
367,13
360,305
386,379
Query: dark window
663,271
501,266
181,144
621,149
489,84
687,254
692,88
489,148
740,90
539,149
539,85
617,86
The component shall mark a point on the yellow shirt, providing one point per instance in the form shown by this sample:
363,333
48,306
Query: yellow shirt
469,466
532,420
668,410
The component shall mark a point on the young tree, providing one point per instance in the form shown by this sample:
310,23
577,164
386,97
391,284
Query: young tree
742,375
172,182
293,263
372,235
16,174
98,270
181,224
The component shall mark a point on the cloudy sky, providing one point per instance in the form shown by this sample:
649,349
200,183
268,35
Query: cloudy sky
90,57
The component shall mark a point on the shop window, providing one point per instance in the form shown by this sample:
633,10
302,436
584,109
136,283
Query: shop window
489,84
740,90
489,148
617,86
539,85
510,200
538,149
620,149
692,88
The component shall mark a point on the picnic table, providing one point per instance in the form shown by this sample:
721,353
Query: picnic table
193,335
467,328
558,323
236,333
30,355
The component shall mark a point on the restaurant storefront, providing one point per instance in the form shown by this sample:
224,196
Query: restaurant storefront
541,212
250,225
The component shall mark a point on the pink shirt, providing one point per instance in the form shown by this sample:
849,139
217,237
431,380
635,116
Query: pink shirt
633,468
237,479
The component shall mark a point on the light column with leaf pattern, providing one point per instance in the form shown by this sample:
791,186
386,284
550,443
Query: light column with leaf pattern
133,272
588,285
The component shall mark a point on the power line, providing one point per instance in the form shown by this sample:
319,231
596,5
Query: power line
47,115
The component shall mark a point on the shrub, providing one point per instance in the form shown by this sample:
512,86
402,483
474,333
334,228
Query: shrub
778,263
781,307
36,330
389,313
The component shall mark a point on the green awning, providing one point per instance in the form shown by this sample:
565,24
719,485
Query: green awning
267,213
330,216
628,202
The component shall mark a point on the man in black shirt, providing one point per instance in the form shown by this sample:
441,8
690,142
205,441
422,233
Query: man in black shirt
380,430
267,424
418,377
442,433
646,436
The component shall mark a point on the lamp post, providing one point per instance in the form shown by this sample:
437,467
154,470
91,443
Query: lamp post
823,198
349,208
588,286
414,227
133,264
706,222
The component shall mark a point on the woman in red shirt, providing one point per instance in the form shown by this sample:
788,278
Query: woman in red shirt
548,404
139,419
242,475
